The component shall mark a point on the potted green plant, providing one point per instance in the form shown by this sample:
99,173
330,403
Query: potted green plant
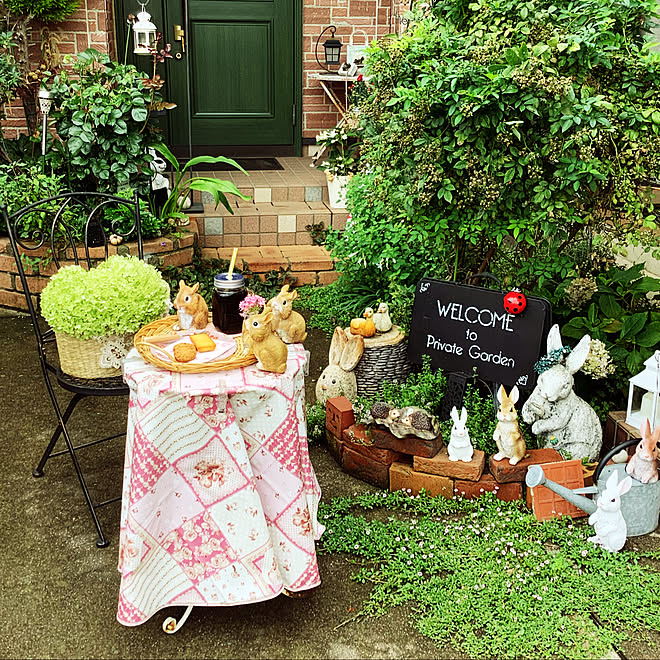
96,312
339,150
183,184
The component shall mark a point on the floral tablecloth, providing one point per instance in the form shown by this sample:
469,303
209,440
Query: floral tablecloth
219,501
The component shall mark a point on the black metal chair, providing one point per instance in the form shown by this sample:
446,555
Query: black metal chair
54,224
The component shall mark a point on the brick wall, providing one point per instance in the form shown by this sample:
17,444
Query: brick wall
358,22
90,26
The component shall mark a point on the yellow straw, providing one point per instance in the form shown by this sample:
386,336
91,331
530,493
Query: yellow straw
232,263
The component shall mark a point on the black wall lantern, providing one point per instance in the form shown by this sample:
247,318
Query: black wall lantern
332,49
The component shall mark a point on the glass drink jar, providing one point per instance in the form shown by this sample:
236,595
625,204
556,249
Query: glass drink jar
227,294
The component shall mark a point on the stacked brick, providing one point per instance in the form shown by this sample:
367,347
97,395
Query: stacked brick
376,456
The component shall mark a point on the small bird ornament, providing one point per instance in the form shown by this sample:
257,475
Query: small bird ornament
365,326
382,319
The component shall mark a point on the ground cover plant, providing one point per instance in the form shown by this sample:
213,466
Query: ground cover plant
486,578
498,135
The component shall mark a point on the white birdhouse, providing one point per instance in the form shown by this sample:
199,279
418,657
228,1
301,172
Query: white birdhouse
644,394
144,33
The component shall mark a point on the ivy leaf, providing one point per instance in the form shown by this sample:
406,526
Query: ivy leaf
139,114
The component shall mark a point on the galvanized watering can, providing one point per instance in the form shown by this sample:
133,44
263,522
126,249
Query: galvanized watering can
640,506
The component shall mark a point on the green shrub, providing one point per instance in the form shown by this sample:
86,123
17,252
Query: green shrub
504,127
101,114
43,10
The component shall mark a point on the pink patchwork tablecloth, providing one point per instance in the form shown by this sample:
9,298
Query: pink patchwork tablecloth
219,502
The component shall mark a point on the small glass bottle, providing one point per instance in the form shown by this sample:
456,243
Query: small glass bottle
227,294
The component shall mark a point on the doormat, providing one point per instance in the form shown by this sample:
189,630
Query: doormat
249,164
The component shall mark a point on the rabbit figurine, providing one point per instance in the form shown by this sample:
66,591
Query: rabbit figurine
192,310
338,378
608,521
643,466
460,447
270,350
289,325
507,435
570,425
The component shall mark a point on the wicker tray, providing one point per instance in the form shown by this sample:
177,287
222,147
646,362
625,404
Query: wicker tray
243,357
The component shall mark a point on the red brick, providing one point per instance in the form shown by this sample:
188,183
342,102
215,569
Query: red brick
180,258
304,278
7,264
504,472
506,492
384,456
365,468
35,284
6,281
361,8
328,276
339,415
12,299
443,467
403,476
158,245
382,438
209,253
335,446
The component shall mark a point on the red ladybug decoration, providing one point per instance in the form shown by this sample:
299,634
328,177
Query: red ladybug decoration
515,301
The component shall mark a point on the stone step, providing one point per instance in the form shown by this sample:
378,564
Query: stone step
265,223
309,264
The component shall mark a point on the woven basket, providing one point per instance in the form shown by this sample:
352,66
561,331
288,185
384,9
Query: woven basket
243,357
81,358
380,364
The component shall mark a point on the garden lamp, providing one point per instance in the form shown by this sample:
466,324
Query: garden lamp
644,394
332,49
144,33
45,103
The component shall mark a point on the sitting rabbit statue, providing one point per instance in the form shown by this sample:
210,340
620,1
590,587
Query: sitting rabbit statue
192,310
338,378
568,423
270,351
643,466
460,447
507,435
608,521
289,325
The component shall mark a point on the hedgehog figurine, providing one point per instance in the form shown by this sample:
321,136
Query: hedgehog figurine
380,410
421,421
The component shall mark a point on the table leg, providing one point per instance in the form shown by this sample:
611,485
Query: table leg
170,625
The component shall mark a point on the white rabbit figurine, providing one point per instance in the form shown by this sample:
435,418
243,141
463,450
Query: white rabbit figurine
608,521
643,466
338,378
460,447
567,422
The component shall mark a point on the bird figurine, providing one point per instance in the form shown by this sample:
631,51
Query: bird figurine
364,327
382,319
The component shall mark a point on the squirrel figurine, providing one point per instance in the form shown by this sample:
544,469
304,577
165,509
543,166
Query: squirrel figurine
507,435
289,325
270,350
192,310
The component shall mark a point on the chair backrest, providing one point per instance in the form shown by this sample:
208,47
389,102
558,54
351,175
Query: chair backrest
71,227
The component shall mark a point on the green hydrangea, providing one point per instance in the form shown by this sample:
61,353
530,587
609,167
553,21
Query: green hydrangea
120,295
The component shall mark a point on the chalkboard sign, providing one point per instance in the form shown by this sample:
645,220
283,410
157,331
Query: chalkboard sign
462,327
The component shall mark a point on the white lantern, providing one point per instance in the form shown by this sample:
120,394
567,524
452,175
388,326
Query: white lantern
644,394
144,33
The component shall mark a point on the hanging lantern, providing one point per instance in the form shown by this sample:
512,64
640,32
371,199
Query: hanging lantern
332,48
644,394
144,33
515,301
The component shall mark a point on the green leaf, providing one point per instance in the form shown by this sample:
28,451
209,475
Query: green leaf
139,114
633,324
613,326
212,159
610,307
650,335
634,362
168,155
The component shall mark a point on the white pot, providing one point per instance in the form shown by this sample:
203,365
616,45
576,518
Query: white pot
337,190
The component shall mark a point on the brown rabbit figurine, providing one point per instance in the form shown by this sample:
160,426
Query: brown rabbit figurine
270,350
507,435
643,466
289,325
192,310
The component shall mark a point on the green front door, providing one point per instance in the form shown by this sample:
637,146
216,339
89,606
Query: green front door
235,83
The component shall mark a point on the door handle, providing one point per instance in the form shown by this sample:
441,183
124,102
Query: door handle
180,35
